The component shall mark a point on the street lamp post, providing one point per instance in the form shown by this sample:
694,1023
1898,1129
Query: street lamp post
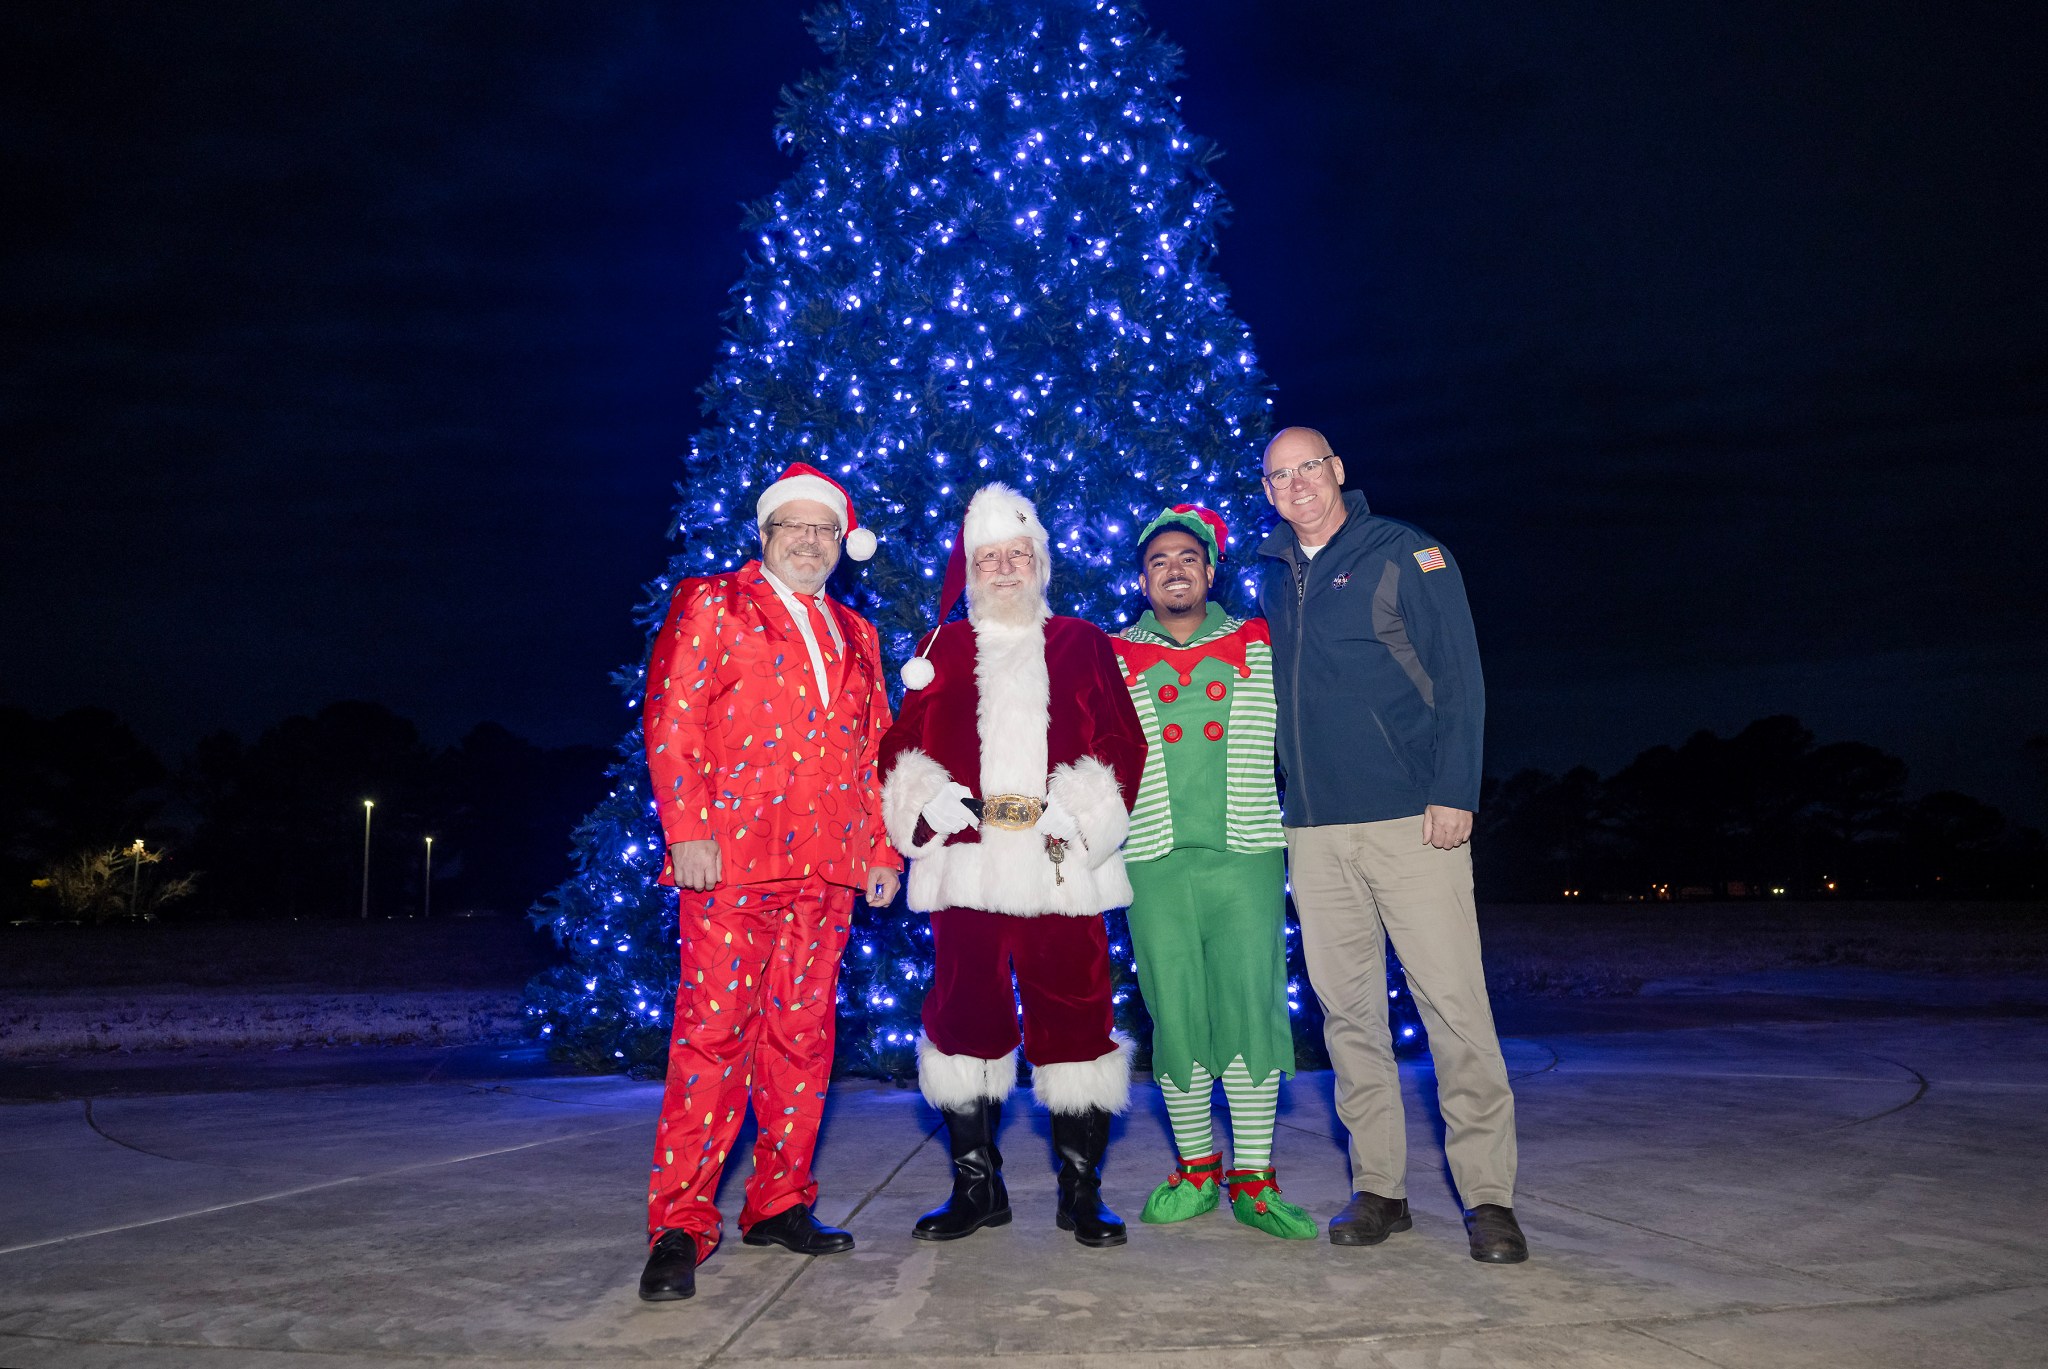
367,806
427,885
135,878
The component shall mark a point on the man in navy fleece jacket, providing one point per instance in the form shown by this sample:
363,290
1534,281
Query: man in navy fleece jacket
1382,709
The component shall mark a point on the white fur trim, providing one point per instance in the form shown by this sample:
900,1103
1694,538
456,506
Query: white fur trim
918,673
911,784
1078,1085
1088,790
804,486
996,514
860,544
954,1081
1014,708
1008,872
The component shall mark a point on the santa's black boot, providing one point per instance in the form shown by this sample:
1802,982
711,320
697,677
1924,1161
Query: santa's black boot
1080,1139
979,1198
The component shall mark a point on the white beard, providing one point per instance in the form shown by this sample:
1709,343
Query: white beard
1022,609
1012,714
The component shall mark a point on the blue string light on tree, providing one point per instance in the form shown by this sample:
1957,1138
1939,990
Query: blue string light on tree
994,262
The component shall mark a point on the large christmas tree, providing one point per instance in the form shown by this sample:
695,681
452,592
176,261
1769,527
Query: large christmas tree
994,263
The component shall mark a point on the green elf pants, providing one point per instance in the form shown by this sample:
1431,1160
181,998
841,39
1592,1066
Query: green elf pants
1210,935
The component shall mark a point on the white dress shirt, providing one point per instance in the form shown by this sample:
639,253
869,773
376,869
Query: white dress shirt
794,602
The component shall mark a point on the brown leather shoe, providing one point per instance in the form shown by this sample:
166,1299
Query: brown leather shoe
1495,1235
671,1271
1369,1219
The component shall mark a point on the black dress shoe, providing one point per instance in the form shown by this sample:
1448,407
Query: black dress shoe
794,1228
1369,1219
671,1271
1495,1234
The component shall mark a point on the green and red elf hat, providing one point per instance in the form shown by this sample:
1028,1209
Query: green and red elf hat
1205,524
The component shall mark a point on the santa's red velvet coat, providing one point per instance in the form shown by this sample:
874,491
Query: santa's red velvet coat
1038,710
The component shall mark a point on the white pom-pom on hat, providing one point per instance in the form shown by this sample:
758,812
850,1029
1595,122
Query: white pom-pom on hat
860,543
917,673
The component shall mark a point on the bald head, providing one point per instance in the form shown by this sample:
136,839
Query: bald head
1309,491
1292,446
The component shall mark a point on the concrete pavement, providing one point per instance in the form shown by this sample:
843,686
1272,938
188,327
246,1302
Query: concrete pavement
1863,1192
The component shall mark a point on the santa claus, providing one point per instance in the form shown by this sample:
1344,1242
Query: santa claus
1008,779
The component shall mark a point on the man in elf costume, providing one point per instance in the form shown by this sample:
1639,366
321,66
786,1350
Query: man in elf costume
1008,780
766,706
1205,858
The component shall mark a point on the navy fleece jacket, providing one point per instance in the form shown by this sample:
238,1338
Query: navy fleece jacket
1376,668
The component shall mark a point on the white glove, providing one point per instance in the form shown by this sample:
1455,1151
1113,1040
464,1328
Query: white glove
1058,823
945,814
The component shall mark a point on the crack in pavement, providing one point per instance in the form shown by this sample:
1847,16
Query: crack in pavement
1918,1094
298,1189
105,1135
776,1296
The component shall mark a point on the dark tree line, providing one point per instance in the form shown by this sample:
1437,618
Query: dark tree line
274,828
1751,815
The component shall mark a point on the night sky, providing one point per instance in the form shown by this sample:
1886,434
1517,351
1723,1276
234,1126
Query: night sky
350,349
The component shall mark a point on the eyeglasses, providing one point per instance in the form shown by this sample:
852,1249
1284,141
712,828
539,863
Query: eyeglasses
989,560
1284,477
804,532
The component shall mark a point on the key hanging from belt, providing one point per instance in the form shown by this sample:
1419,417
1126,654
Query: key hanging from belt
1056,852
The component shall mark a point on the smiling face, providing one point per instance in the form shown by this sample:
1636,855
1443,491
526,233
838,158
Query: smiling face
1178,575
1313,503
801,557
1005,581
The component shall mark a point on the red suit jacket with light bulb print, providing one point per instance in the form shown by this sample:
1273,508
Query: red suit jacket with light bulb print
1040,711
741,749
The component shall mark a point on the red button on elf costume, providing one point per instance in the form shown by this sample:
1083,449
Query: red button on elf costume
1008,780
765,711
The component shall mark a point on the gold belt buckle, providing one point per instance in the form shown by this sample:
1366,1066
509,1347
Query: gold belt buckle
1011,812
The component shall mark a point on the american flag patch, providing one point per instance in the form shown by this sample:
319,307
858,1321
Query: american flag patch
1430,558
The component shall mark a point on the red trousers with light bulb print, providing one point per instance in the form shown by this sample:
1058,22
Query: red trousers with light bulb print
754,1021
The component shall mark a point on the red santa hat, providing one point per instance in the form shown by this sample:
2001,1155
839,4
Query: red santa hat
995,514
801,481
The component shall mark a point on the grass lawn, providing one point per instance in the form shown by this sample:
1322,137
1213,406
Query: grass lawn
291,984
263,985
1605,950
455,953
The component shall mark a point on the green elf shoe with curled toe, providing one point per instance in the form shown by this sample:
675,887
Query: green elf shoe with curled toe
1194,1187
1255,1200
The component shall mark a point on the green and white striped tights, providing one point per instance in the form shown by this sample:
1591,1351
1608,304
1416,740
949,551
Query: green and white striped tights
1252,1107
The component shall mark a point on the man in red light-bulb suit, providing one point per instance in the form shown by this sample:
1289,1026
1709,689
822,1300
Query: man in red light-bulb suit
765,711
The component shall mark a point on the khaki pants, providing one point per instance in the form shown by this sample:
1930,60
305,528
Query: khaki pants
1356,886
